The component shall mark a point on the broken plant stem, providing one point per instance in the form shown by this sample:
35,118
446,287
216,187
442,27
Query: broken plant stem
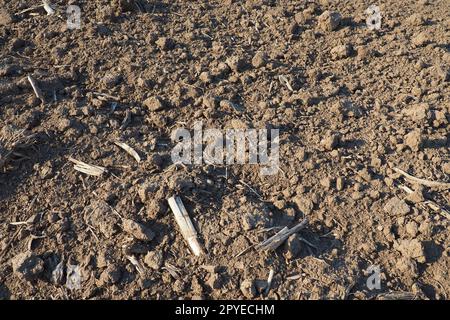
36,89
184,222
424,182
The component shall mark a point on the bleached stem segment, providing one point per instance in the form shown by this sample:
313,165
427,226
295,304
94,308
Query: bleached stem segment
184,222
275,241
48,8
36,89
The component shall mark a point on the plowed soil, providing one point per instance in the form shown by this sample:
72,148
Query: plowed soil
351,104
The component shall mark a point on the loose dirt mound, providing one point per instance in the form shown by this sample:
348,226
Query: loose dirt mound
351,104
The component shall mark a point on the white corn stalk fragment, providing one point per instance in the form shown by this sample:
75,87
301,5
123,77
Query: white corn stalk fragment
48,8
88,169
184,222
36,89
276,240
129,150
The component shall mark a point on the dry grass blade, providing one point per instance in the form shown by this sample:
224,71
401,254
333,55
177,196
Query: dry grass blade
424,182
129,150
276,240
88,169
184,222
37,90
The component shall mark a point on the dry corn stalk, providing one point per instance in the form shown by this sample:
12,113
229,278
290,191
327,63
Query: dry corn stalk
184,222
276,240
48,8
36,89
11,141
424,182
129,150
91,170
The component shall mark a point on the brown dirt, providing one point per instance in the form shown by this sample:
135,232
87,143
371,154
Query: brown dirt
363,102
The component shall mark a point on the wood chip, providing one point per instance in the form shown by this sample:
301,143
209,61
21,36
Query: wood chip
129,150
184,222
88,169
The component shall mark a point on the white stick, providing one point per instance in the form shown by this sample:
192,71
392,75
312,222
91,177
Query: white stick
184,222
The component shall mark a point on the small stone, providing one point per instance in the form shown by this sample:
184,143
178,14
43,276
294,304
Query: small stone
154,259
165,44
214,281
412,228
411,249
421,39
414,140
259,59
5,17
110,80
27,265
446,168
304,204
293,246
397,207
340,184
146,190
137,230
206,77
111,275
293,29
329,21
341,51
248,288
331,141
237,64
326,183
155,103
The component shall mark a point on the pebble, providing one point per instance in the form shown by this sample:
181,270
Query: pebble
397,207
27,265
154,259
165,44
137,230
248,288
329,20
155,103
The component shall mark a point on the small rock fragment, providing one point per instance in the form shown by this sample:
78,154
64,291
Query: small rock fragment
414,140
137,230
293,246
237,64
329,21
331,141
154,103
341,51
154,259
27,265
304,204
165,44
397,207
248,288
259,60
411,249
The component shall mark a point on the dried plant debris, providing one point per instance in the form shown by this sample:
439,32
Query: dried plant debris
184,222
129,150
88,169
276,240
428,183
12,142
